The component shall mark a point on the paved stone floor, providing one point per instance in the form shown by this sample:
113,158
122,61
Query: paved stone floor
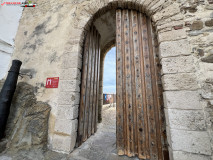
100,146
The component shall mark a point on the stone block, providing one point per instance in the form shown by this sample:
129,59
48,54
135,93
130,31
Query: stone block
196,25
209,23
154,6
174,48
61,143
71,85
170,25
65,126
179,155
67,112
182,81
186,119
172,35
182,100
166,12
69,98
181,64
168,134
197,142
72,60
70,74
73,140
207,90
208,57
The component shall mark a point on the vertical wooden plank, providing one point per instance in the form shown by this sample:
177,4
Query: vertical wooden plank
139,130
124,82
134,135
83,91
98,75
143,112
163,149
149,92
95,81
155,92
119,86
128,76
86,119
91,83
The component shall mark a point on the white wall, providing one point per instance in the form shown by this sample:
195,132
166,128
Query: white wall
9,21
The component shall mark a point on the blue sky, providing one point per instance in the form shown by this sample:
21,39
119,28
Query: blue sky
110,72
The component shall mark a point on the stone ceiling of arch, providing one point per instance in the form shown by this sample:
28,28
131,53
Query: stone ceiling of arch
106,26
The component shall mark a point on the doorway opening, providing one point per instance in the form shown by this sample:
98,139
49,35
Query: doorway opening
140,126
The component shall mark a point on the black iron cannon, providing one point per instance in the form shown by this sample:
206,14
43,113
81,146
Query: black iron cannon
7,93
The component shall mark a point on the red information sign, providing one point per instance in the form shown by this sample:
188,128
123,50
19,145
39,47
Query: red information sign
52,82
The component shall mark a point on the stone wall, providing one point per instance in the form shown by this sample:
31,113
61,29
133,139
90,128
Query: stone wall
51,46
27,125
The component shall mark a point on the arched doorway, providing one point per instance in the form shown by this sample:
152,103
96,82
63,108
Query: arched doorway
140,126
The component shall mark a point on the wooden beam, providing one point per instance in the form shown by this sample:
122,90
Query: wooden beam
119,86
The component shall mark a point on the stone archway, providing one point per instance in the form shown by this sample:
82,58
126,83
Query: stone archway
86,15
163,14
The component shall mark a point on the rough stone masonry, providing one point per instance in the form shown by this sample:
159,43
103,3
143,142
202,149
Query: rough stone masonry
49,42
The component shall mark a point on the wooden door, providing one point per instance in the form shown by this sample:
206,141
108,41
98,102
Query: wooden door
139,118
88,113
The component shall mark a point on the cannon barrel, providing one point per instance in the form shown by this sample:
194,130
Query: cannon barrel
7,93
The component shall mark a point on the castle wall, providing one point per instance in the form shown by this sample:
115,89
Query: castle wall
50,45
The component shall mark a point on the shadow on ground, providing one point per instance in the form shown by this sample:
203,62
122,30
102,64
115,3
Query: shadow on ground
101,146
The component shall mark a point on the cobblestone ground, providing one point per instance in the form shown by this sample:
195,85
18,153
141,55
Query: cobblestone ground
102,145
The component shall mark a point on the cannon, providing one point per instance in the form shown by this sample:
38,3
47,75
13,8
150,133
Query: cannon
7,93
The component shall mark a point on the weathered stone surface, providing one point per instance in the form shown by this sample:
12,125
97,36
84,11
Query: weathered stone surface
174,48
167,12
195,33
182,100
207,89
69,98
200,52
72,61
172,35
209,7
70,74
5,158
67,112
210,1
65,126
196,25
181,81
179,155
33,154
209,57
3,145
211,15
209,117
71,85
186,119
191,141
181,64
209,23
61,143
27,125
